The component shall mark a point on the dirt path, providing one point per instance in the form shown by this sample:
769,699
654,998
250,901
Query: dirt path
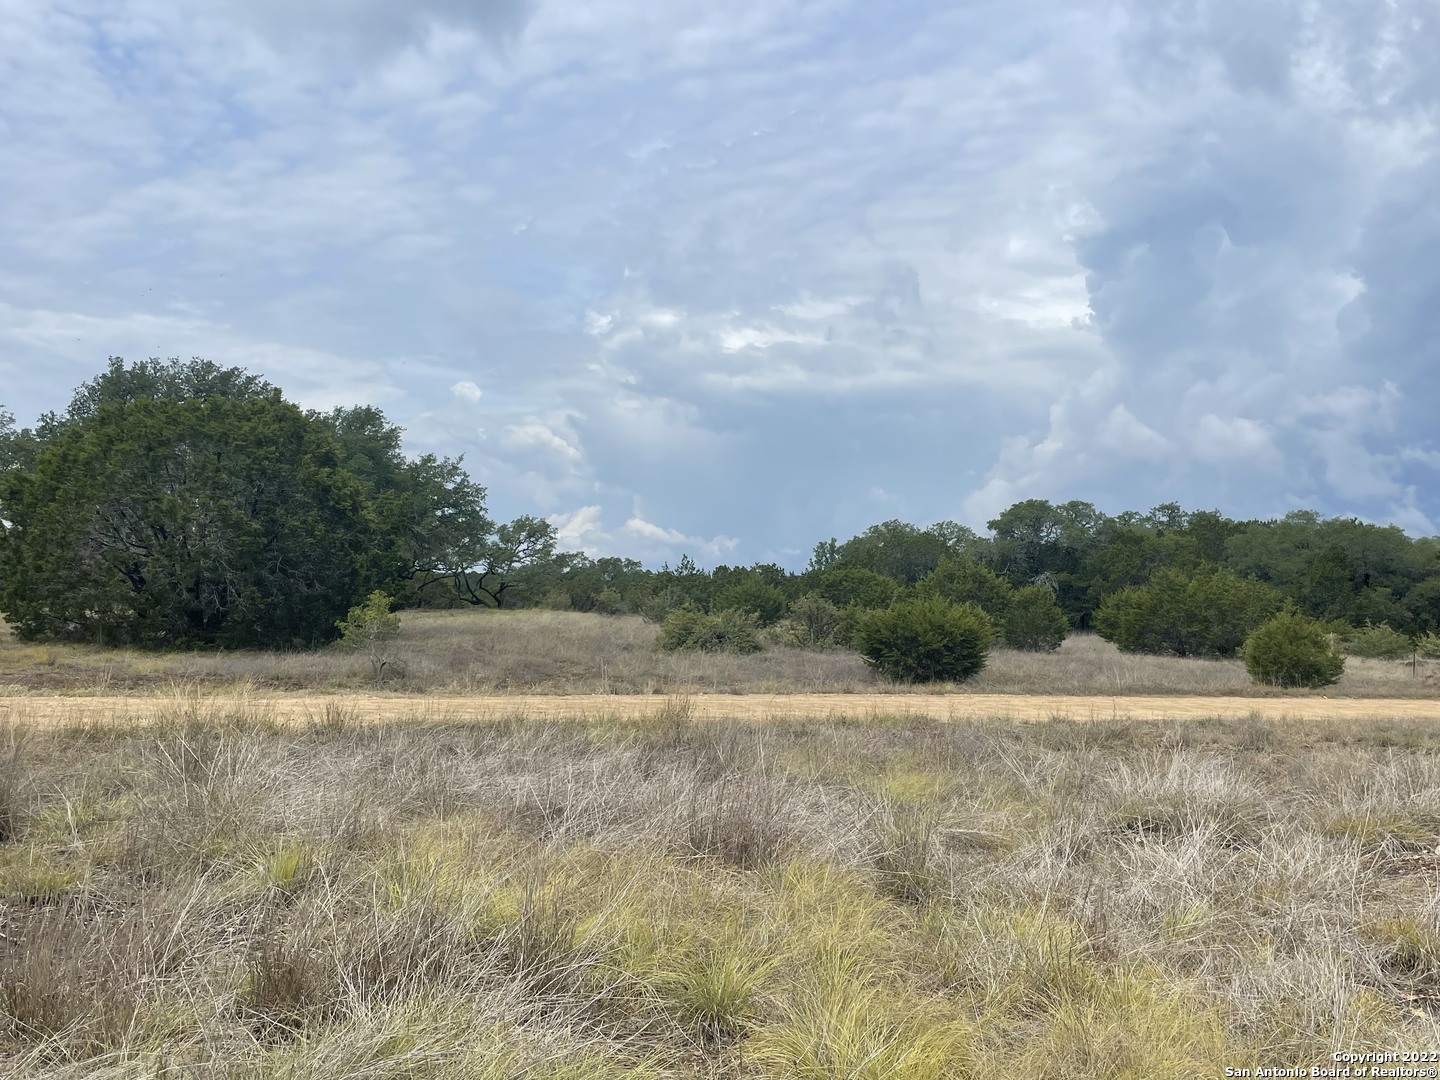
39,710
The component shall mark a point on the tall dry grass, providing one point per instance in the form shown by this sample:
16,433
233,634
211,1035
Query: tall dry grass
482,652
217,897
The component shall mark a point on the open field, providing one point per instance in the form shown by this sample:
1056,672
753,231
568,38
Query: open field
545,851
542,652
217,896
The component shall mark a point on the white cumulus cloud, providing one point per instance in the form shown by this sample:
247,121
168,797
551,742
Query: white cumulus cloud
466,390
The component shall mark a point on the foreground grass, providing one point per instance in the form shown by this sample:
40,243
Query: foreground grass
216,897
484,652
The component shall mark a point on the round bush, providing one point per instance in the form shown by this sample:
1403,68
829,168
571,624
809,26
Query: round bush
925,640
765,601
1290,650
608,602
1033,621
964,581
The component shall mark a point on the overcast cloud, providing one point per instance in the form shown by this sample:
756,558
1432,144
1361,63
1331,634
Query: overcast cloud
728,279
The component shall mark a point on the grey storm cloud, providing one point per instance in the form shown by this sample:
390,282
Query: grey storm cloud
732,280
372,29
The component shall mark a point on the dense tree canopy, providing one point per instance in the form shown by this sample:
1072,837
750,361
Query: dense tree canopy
159,521
896,549
184,503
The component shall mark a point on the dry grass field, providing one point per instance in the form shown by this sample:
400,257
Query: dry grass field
214,896
541,652
546,851
33,711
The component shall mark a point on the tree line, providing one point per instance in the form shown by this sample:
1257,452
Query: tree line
1165,580
182,503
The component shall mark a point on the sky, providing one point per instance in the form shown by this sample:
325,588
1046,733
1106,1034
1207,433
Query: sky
727,280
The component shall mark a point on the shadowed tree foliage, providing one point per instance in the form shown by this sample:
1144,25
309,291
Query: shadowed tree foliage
213,520
1033,621
902,552
1336,568
1035,537
1207,613
604,585
514,565
430,517
1036,542
1422,604
184,503
438,537
852,587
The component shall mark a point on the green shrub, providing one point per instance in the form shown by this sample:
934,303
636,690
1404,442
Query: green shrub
1033,620
369,628
608,601
726,631
964,581
1205,613
1378,643
1290,650
764,600
925,640
851,616
853,585
656,605
1428,645
813,623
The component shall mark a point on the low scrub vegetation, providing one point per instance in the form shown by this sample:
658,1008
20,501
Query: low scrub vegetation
1209,613
1290,650
812,623
728,630
891,898
926,641
1377,643
499,652
370,629
1033,621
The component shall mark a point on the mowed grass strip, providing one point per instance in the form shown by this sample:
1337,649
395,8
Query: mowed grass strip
221,896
